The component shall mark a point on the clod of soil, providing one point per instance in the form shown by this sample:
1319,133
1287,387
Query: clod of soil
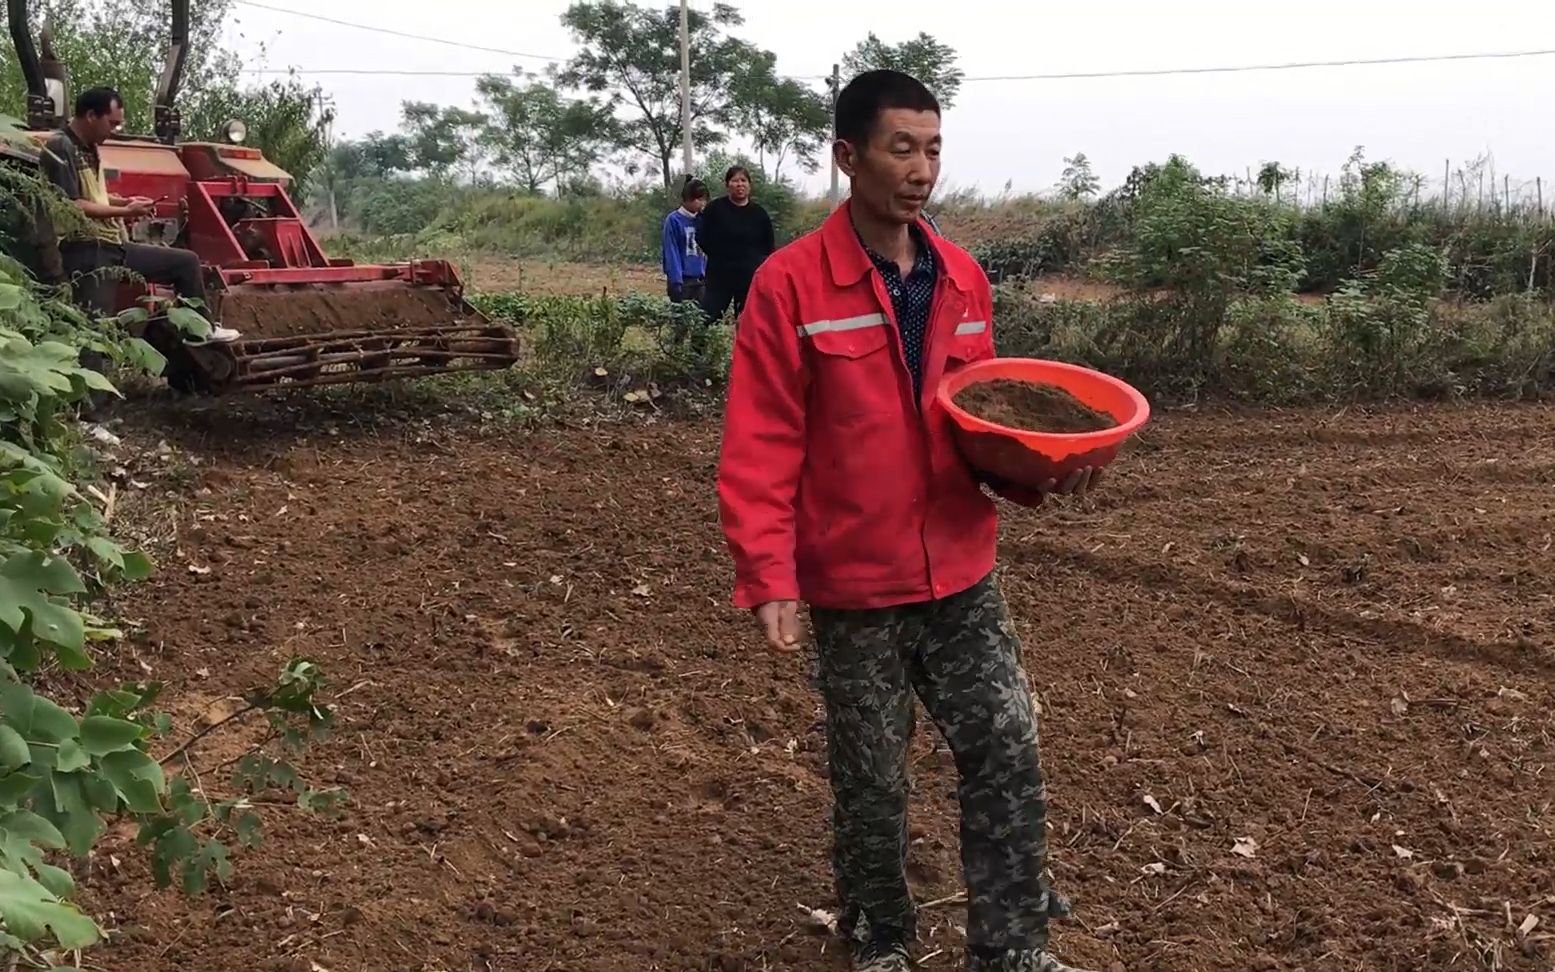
1031,406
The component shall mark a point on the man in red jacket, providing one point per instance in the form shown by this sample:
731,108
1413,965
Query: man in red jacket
840,486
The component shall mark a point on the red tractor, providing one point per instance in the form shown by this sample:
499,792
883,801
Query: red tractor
304,318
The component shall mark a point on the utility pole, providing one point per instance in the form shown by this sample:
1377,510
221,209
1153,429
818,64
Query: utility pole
685,86
835,86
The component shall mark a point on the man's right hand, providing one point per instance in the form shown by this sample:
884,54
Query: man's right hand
138,207
779,620
677,291
1077,484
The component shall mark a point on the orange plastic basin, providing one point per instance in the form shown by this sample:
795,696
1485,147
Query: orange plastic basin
1029,458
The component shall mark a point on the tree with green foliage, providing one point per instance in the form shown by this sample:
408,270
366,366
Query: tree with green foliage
1188,232
923,57
540,135
373,156
1272,176
124,44
1078,181
287,120
632,55
444,139
782,117
369,183
348,164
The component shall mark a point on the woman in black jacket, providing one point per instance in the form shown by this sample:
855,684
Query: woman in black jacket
736,234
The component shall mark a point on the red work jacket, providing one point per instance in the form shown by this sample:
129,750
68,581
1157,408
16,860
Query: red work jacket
835,486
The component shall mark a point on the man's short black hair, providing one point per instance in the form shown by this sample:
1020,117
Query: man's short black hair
693,189
866,96
97,101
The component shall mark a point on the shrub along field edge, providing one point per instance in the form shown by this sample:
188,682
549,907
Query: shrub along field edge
1377,339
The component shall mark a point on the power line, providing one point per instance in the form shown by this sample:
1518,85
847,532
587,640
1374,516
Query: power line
1069,76
1059,76
391,32
1285,66
375,72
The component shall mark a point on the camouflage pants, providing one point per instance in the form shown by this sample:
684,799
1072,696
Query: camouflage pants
960,656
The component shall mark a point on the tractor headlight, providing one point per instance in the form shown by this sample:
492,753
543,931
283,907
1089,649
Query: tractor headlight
236,132
55,89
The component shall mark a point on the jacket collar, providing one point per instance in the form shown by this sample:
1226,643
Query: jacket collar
849,263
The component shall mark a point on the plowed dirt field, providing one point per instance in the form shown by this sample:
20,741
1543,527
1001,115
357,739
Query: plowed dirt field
1296,672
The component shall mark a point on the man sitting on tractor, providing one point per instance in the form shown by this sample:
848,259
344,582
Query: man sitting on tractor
70,160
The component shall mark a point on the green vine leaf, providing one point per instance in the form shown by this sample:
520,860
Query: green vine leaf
15,786
35,717
14,753
101,735
30,911
56,879
71,810
27,581
138,778
247,826
106,551
71,757
137,566
145,357
188,322
175,844
211,859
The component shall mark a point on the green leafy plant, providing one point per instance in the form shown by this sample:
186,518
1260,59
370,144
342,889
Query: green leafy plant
1063,242
189,831
66,769
1385,335
624,344
1381,322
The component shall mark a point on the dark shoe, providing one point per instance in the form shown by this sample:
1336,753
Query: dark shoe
1016,961
884,952
1047,963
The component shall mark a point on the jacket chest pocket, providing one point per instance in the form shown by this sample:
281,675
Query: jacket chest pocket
968,341
853,369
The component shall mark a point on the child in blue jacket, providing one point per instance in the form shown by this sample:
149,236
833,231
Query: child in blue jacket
684,264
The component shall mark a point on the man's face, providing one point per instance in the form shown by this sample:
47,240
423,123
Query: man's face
100,128
739,187
895,171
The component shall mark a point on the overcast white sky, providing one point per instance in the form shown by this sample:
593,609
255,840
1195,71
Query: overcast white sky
1018,131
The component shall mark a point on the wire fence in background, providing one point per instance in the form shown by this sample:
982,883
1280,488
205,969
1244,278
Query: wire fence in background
1468,189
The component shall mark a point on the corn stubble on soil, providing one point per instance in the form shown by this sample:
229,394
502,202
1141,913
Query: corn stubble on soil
1031,406
1296,671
